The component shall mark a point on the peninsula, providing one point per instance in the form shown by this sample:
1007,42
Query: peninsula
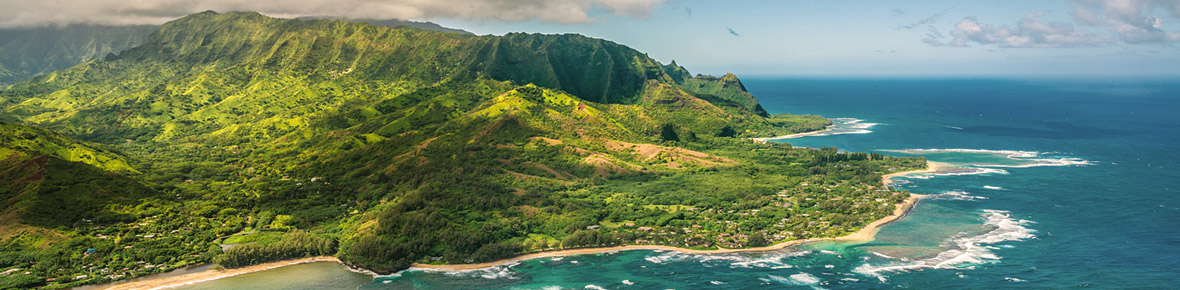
863,235
241,139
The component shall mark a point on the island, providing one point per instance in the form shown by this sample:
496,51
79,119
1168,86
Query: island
242,140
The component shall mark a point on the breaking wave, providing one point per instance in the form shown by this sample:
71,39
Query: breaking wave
737,260
494,272
839,126
957,171
960,195
801,279
966,251
1001,158
847,126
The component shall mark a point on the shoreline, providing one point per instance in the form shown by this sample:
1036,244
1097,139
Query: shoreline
931,166
210,275
791,136
865,234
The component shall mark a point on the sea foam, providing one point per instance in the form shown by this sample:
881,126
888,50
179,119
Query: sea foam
773,260
1004,158
960,195
847,126
801,279
839,126
965,251
495,272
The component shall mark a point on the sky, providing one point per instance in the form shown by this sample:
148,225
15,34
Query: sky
1104,38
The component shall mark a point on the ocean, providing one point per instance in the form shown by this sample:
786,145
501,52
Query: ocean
1052,183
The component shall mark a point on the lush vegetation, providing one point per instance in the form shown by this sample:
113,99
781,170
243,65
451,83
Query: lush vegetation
389,146
76,212
27,52
291,245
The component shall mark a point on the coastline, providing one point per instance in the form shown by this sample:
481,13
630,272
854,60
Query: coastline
865,234
210,275
931,166
796,135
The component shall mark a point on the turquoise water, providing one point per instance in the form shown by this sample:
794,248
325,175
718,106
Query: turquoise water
1055,184
319,275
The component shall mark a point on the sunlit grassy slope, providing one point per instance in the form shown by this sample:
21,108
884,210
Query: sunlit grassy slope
387,146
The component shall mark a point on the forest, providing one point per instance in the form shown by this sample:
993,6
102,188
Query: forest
238,139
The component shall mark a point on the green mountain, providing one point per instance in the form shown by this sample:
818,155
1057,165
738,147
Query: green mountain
26,52
388,146
415,24
56,181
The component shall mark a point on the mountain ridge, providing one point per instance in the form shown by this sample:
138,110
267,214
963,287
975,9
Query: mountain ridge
390,146
26,52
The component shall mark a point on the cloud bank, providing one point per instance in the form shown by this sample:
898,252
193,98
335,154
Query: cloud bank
1029,32
1131,20
26,13
1126,21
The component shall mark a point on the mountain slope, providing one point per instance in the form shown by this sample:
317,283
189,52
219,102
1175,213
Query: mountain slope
26,52
402,145
415,24
54,181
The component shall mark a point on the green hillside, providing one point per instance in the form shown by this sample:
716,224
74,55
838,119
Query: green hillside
56,181
390,146
60,197
27,52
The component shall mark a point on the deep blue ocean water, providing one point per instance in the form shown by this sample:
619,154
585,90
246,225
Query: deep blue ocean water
1054,183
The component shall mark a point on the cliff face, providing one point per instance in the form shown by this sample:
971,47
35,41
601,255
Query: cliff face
726,91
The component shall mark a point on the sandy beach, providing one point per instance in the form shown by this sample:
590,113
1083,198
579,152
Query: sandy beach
864,234
931,166
198,277
796,135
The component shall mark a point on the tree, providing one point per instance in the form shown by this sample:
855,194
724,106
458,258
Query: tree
756,240
668,133
727,131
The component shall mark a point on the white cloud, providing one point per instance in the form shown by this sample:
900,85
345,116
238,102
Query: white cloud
1127,21
17,13
633,8
924,21
1029,32
1133,21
